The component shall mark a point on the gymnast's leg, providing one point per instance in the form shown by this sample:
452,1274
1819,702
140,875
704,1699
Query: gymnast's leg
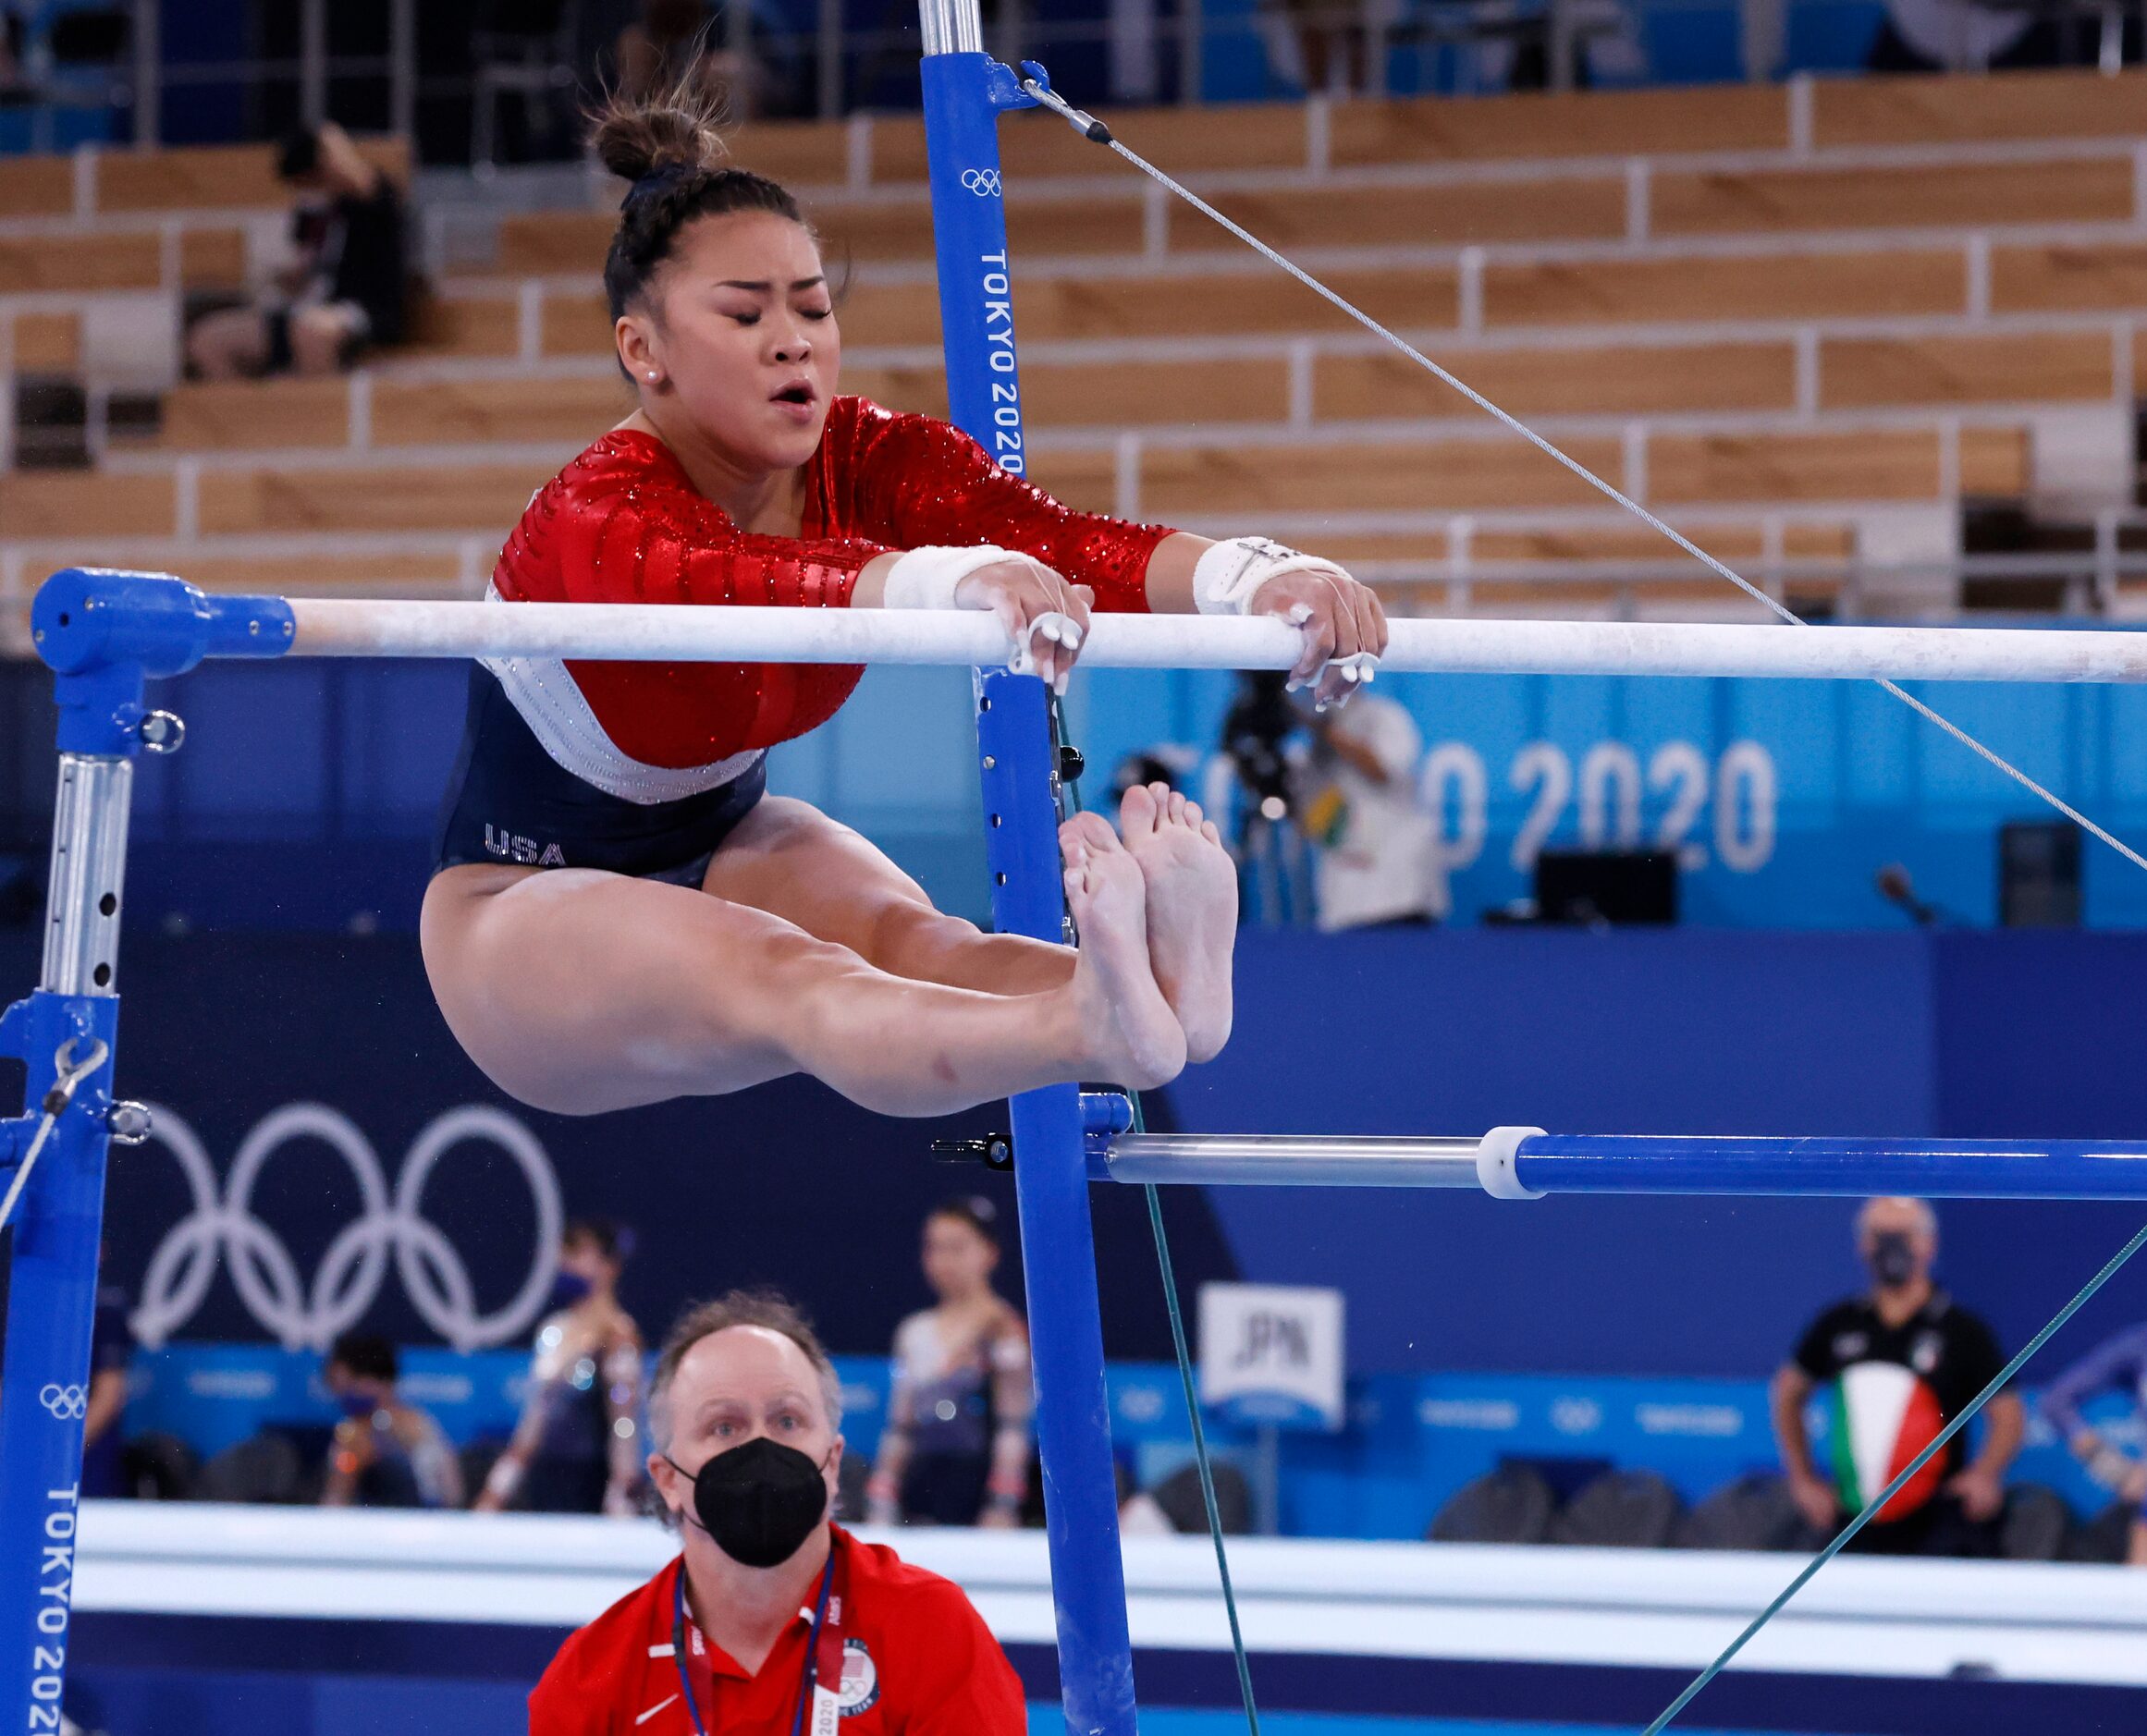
229,344
581,992
789,858
793,862
1192,886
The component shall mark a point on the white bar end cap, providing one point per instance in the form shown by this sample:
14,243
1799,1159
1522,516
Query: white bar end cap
1494,1163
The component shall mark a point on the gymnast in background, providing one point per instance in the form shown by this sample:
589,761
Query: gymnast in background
621,915
955,1450
578,1448
2118,1364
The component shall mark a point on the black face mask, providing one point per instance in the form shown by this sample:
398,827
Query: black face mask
1892,1259
759,1501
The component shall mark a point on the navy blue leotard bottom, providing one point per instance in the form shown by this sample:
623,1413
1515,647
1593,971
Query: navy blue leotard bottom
511,801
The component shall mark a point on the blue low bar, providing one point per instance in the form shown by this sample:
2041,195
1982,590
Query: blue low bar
1934,1168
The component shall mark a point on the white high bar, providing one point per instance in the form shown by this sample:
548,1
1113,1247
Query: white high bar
659,633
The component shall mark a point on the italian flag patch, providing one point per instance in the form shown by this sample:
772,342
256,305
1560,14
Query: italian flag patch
1880,1416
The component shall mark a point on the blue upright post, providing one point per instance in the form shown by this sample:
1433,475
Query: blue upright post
70,1022
103,634
964,89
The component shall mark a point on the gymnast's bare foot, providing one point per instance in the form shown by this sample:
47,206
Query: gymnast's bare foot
1192,910
1137,1038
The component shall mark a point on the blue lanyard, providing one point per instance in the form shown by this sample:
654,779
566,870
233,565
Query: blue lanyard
812,1645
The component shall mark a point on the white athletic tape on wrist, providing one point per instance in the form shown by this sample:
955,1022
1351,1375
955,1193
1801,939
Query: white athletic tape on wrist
927,578
1230,574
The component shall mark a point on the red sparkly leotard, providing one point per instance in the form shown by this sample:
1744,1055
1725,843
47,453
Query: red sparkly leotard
643,766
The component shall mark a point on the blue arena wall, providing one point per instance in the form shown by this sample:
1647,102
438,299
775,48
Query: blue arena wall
1450,1032
306,796
1410,1441
1445,1032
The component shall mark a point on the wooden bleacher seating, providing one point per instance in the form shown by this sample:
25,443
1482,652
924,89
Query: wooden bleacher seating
1632,383
36,186
1680,289
1546,380
1568,208
2037,367
2017,105
1951,195
46,343
375,498
2086,278
1565,208
1619,124
399,574
277,415
1860,372
465,326
36,505
71,263
209,178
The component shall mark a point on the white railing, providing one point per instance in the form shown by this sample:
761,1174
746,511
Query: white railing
1664,1608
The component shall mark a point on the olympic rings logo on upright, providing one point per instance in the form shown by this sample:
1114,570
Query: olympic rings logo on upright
355,1264
983,183
69,1404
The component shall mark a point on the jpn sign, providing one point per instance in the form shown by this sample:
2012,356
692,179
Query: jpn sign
1270,1354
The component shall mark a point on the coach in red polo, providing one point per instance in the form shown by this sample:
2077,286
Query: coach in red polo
773,1619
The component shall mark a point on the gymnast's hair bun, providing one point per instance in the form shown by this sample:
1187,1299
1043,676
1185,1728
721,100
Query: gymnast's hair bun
677,129
669,149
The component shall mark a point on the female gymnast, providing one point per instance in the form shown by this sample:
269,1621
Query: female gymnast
620,914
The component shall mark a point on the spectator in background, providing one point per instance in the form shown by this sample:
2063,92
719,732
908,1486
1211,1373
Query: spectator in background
955,1450
1897,1365
111,1350
386,1452
2118,1364
1379,860
578,1446
348,287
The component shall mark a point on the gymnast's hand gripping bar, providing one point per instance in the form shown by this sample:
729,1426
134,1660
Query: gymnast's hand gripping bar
1519,1163
86,620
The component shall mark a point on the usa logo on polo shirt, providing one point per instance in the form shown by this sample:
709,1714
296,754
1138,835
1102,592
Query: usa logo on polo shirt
860,1691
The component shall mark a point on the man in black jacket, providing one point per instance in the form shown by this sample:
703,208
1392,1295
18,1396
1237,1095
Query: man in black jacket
1895,1365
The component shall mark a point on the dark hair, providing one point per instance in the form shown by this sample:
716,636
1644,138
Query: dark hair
611,1238
676,20
366,1355
671,148
972,1209
769,1310
299,155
